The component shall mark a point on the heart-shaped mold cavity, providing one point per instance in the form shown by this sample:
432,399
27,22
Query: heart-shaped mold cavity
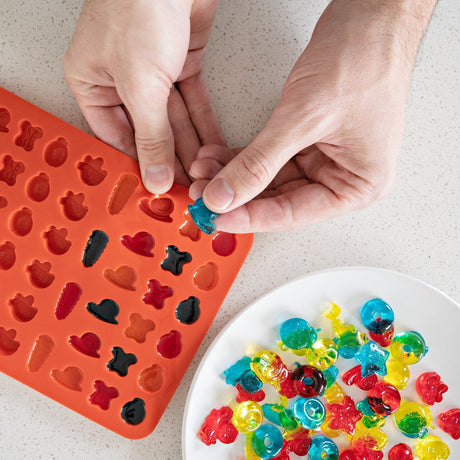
21,222
69,297
103,394
133,412
11,170
71,377
157,294
95,246
91,172
23,307
121,361
56,240
141,243
121,193
7,255
188,311
206,277
38,187
3,202
138,327
29,134
124,277
152,378
56,152
40,275
73,206
169,345
88,344
8,345
158,208
5,118
224,244
106,311
175,260
41,351
189,228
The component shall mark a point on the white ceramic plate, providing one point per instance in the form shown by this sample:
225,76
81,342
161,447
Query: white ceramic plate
417,306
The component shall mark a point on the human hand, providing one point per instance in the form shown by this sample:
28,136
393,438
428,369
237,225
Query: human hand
331,143
123,60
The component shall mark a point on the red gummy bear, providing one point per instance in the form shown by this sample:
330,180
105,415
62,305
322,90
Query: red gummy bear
246,396
354,377
217,425
449,422
430,387
344,415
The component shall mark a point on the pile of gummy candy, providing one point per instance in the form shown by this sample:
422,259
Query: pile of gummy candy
313,407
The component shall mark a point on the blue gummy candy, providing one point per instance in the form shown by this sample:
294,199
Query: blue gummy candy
271,414
331,374
250,382
202,216
267,441
377,316
372,358
297,334
309,412
236,371
323,448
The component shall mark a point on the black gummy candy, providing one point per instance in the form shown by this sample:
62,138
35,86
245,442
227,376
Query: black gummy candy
97,242
121,361
107,310
188,311
175,259
133,412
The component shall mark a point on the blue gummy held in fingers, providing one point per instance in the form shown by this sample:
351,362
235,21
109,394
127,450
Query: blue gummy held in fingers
377,316
202,216
310,412
323,448
372,358
267,441
297,334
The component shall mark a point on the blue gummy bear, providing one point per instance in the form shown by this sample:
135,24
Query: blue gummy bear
331,374
250,382
372,358
323,448
202,216
236,371
377,316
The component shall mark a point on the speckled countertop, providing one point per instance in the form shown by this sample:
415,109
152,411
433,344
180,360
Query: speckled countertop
253,46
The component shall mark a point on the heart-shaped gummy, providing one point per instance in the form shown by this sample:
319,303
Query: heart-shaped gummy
141,243
124,277
71,377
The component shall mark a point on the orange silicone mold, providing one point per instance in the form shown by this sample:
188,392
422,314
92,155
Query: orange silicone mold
108,291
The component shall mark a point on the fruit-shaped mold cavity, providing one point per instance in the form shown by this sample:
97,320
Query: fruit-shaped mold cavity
169,345
8,345
56,152
7,255
23,307
21,222
152,378
206,277
29,134
224,244
3,202
5,118
91,172
40,275
38,188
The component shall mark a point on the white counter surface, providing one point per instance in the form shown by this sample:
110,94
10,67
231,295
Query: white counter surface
253,46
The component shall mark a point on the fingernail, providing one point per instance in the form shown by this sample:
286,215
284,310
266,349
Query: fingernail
157,178
219,194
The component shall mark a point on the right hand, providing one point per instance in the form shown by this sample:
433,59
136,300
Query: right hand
121,66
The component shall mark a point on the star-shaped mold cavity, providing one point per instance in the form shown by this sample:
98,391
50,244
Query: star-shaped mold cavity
138,327
141,243
102,395
158,208
73,206
91,172
29,134
372,359
157,294
121,361
175,260
106,310
5,118
11,170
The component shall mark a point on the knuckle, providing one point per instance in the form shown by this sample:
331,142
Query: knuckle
254,168
150,148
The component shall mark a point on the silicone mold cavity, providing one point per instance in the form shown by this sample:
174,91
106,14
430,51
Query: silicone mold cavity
29,134
189,228
3,202
152,378
10,170
8,345
56,152
41,351
71,377
122,192
21,222
138,327
38,187
73,206
5,118
23,307
91,172
123,277
40,275
206,277
7,255
158,208
56,240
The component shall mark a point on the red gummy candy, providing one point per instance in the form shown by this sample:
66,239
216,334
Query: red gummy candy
88,344
208,432
102,395
344,415
384,399
141,243
157,294
67,300
226,433
354,377
169,345
287,388
430,387
384,340
361,451
449,422
400,452
300,445
246,396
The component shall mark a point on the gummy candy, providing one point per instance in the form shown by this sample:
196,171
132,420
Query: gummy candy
372,359
308,381
384,340
353,377
133,412
214,425
398,374
430,388
247,416
370,418
323,448
361,451
373,437
296,333
121,361
310,412
431,448
344,415
413,420
322,354
267,441
384,399
334,394
400,451
377,316
269,368
449,422
202,216
408,347
331,374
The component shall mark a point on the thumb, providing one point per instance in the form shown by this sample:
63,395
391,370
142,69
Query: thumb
252,170
153,137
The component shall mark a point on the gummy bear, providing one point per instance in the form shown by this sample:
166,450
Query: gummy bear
430,387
